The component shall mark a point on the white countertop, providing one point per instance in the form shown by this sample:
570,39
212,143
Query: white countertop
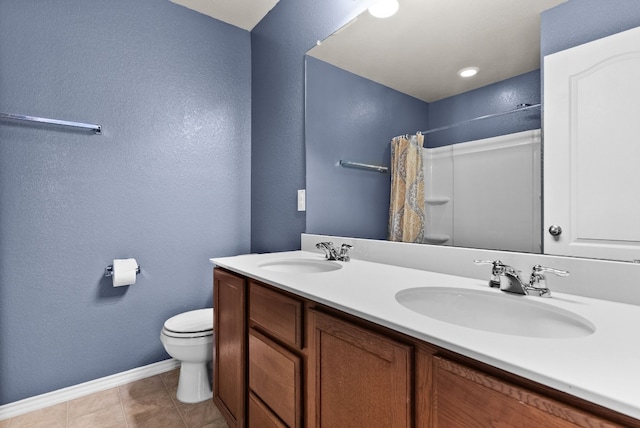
603,367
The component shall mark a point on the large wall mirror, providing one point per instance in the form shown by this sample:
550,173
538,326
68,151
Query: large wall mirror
375,79
378,78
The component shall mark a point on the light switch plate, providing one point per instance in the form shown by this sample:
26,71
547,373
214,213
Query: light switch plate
302,200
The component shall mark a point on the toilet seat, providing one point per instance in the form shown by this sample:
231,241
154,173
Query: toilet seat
192,324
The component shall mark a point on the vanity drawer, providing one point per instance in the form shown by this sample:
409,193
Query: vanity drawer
277,314
275,377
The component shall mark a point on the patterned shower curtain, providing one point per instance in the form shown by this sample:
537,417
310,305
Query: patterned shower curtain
406,210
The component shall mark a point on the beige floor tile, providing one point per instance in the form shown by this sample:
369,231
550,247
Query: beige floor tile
142,388
164,418
149,390
217,424
145,403
107,417
170,380
93,403
50,417
138,410
199,414
145,398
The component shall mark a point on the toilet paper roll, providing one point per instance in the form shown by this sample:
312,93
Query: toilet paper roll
124,272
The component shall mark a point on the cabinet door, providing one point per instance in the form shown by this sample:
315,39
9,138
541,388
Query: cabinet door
357,378
466,398
229,356
591,150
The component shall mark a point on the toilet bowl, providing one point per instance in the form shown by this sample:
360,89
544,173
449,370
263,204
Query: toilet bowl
188,337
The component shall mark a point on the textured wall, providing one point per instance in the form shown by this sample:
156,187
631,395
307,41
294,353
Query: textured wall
278,45
351,118
167,183
496,98
580,21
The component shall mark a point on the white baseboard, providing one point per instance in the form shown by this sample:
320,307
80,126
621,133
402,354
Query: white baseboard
75,391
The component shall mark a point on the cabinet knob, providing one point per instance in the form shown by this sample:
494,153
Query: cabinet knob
555,230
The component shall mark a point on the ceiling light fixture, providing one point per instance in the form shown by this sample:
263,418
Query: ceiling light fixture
468,72
384,8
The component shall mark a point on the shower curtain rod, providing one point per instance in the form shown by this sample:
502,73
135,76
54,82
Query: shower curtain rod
88,126
520,107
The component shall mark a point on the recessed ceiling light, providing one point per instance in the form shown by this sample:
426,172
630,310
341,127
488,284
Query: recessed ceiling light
384,8
468,72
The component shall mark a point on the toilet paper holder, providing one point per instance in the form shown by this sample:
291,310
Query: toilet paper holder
108,271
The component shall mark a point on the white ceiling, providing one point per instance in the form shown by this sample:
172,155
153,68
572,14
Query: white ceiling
242,13
419,50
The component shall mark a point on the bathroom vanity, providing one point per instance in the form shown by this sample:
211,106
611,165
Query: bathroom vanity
301,341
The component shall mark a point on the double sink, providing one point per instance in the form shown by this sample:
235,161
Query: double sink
487,310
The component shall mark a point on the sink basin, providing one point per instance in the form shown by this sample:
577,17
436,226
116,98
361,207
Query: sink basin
497,313
300,266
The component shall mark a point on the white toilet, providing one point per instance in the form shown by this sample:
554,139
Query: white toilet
188,337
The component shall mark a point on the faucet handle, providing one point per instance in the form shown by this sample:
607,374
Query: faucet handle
497,270
344,252
538,280
539,271
543,269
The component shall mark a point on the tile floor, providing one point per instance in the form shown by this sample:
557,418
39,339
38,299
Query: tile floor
147,403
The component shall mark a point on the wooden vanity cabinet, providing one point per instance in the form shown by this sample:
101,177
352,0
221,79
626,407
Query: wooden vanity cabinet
229,353
284,361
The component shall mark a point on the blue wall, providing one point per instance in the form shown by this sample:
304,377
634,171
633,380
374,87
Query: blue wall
496,98
580,21
278,46
352,118
167,183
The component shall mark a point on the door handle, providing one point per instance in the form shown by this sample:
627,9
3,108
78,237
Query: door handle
555,230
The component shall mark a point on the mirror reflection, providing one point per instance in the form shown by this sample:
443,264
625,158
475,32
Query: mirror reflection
376,79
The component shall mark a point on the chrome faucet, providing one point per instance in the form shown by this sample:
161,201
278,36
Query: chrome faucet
511,282
508,278
331,253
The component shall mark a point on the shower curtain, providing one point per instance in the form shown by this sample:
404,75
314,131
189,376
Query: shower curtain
406,208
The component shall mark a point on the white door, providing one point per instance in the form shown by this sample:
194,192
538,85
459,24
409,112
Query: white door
592,149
